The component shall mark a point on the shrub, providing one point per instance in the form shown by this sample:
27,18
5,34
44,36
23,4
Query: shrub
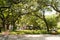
58,31
13,33
44,32
29,32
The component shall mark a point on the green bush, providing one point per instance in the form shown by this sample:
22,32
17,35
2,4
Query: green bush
58,31
29,32
36,32
44,32
13,33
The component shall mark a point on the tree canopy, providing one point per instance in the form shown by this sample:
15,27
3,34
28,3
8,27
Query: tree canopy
29,12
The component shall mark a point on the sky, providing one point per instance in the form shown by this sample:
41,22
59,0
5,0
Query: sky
50,12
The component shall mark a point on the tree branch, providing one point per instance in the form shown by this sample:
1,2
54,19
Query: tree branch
5,7
38,16
53,8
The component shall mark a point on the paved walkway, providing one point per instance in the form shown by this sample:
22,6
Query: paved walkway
31,37
44,37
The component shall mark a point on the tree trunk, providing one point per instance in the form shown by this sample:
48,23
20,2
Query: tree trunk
3,24
7,26
45,22
14,27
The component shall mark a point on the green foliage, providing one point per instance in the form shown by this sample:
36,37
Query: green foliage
29,32
52,22
58,31
28,12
